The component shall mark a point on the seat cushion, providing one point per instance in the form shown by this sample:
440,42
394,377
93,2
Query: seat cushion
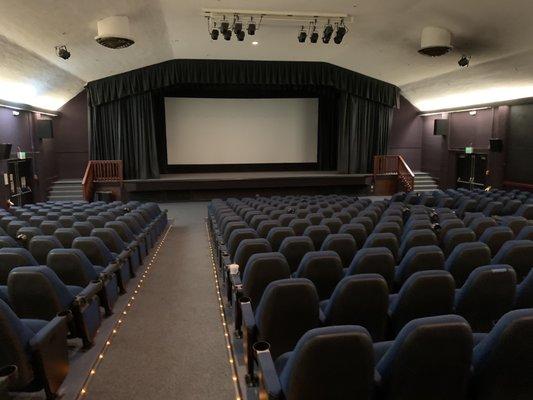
74,290
35,324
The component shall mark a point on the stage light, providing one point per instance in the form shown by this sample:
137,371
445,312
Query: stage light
237,27
339,35
251,26
224,26
314,34
62,52
240,36
214,34
227,35
302,35
328,31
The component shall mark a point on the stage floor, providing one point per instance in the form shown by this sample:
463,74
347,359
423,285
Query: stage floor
227,182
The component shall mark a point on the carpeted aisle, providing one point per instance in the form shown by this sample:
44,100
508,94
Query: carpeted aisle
171,345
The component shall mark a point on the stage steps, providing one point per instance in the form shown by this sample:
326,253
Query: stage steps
424,182
66,189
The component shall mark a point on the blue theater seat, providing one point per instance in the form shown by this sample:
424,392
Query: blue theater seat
324,269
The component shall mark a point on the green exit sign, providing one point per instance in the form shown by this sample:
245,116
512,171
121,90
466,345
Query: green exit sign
469,150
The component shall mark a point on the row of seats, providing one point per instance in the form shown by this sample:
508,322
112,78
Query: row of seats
54,287
444,271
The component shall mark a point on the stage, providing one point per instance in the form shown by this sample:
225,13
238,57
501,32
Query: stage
205,186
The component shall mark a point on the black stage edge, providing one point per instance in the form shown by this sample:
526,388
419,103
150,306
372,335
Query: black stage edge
205,186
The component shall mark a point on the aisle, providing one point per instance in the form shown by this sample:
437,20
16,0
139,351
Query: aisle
172,343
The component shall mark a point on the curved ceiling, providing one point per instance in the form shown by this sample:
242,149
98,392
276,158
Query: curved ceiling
382,42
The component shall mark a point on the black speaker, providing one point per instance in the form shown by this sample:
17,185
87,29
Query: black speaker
496,145
5,151
44,129
440,127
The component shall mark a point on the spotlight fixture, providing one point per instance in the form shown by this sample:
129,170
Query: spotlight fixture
240,36
237,26
464,61
251,26
214,32
313,37
341,31
227,35
302,35
224,26
62,52
328,31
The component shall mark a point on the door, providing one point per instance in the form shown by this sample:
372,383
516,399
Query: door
471,171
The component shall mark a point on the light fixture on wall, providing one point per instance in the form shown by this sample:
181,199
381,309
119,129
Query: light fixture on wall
313,37
340,32
302,35
62,52
328,31
16,113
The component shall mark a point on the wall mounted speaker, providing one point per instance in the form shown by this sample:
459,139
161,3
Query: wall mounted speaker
441,127
496,145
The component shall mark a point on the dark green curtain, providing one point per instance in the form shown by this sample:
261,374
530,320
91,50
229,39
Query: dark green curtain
363,131
124,130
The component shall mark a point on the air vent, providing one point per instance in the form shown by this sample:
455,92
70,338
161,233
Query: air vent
435,41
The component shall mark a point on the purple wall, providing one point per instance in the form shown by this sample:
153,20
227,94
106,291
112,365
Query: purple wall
406,134
71,138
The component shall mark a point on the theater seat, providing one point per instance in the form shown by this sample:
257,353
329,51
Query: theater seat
84,228
418,237
502,360
334,224
38,350
487,294
524,292
430,359
247,248
359,300
294,248
37,293
374,260
323,268
11,258
317,233
74,268
465,258
456,236
343,244
279,319
120,250
306,372
40,245
387,240
277,235
518,254
420,258
495,237
358,232
424,294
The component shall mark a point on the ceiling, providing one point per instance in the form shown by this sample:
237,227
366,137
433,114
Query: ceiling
382,42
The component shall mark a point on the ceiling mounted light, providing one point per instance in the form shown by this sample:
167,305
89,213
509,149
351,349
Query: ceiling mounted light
251,26
114,33
328,31
62,52
313,37
435,41
339,35
214,32
224,26
240,36
237,25
227,35
464,61
302,35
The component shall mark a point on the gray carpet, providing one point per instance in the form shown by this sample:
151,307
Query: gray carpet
172,343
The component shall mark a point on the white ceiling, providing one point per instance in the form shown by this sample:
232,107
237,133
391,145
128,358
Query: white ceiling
382,42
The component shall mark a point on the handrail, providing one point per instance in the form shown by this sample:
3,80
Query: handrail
99,171
395,165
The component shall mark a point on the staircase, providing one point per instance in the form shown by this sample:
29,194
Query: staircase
424,182
66,189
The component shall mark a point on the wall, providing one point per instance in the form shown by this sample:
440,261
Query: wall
71,138
520,144
406,134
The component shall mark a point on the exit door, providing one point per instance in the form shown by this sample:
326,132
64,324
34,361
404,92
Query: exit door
471,171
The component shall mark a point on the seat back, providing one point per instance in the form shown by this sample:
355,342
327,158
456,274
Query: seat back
265,226
12,257
324,269
261,269
487,294
343,244
502,361
66,236
421,258
360,300
465,258
72,266
111,239
518,254
40,245
15,338
456,236
95,250
247,248
330,363
424,294
358,231
281,321
299,225
430,359
294,248
122,229
237,236
49,296
334,224
49,227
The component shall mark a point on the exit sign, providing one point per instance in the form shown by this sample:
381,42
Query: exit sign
469,150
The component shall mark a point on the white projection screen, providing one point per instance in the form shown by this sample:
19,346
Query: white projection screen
241,131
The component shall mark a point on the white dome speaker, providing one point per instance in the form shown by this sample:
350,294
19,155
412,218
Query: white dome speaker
114,33
435,41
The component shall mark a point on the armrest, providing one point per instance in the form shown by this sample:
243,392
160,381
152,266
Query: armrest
380,349
249,337
112,268
269,384
236,284
57,326
90,291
